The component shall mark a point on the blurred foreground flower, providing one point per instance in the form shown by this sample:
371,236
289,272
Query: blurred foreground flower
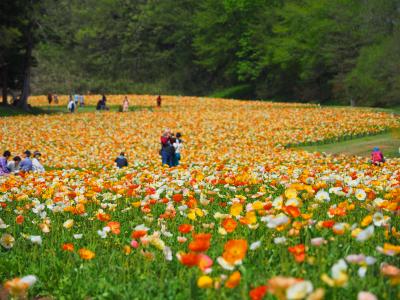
18,287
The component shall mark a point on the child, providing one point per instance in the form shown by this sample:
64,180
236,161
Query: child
377,157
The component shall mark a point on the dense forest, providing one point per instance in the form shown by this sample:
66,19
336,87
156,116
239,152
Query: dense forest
325,51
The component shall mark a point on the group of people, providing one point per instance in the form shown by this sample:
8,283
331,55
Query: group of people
171,146
51,97
27,163
74,101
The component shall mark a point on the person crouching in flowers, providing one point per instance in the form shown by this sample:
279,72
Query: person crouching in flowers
26,163
13,166
36,165
377,157
3,163
121,160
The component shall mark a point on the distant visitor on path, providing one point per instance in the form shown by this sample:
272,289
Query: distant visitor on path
159,101
3,163
36,165
125,104
26,163
49,98
81,101
55,99
14,165
71,105
121,160
377,157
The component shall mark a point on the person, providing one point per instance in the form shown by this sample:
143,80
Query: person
377,156
121,160
166,150
36,165
26,163
81,100
49,98
178,146
159,101
13,166
125,104
4,171
55,99
71,105
76,99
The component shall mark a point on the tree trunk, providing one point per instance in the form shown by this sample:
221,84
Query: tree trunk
4,85
23,101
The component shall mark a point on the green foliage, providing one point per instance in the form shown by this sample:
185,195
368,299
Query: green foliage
236,92
327,51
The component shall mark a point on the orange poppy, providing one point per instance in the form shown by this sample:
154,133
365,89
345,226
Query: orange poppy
258,292
328,224
234,250
233,280
138,234
189,259
200,243
229,224
177,198
86,254
292,210
19,219
103,217
115,227
298,252
185,228
68,247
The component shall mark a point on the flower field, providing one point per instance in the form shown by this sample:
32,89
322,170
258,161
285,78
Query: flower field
243,217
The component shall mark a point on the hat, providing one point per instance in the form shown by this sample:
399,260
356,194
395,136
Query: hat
376,149
27,152
37,153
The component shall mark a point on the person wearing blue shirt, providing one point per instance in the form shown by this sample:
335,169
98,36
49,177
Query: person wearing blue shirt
26,163
121,160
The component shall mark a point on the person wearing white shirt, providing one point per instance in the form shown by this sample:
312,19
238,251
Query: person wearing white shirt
178,147
13,165
36,165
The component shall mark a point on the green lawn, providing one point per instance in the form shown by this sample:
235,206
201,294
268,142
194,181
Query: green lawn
388,142
6,111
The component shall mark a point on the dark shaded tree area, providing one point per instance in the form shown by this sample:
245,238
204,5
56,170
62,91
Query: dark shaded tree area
326,51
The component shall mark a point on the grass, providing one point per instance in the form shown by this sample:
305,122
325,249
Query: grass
388,142
8,111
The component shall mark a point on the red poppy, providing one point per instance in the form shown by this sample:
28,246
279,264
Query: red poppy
68,247
185,228
189,259
200,243
298,252
177,198
328,224
19,219
292,210
258,292
138,234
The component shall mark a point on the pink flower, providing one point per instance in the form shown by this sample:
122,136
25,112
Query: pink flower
366,296
134,244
